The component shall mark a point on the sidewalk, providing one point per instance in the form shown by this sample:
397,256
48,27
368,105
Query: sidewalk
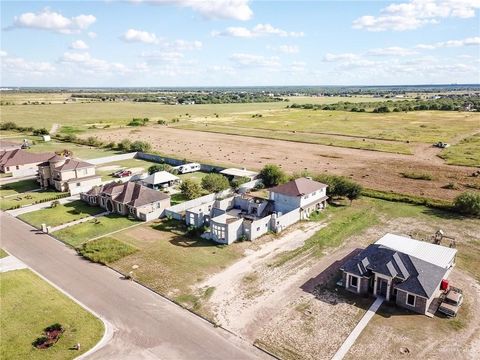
9,263
44,205
347,344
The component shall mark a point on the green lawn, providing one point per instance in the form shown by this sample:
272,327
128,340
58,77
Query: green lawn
3,253
18,187
105,170
60,214
177,199
29,305
28,198
197,176
170,260
78,234
466,152
105,250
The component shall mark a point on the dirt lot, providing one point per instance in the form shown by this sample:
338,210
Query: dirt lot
377,170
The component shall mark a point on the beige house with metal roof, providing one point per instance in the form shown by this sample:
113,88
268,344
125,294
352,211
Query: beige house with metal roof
67,175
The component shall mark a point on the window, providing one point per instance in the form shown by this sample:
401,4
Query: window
353,281
78,184
314,193
258,228
17,167
411,299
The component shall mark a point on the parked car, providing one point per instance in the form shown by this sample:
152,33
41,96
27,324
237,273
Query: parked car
451,303
188,168
123,173
441,145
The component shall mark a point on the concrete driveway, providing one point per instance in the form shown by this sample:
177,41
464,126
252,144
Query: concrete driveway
145,325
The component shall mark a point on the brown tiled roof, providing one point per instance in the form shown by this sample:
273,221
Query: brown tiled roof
72,164
298,187
130,193
22,157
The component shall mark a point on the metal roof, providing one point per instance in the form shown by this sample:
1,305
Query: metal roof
431,253
160,177
238,172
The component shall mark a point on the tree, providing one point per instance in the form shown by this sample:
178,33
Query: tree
141,146
41,131
239,181
340,186
190,189
272,175
354,191
9,125
468,203
160,167
215,182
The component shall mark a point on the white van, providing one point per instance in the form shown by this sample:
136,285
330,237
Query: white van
187,168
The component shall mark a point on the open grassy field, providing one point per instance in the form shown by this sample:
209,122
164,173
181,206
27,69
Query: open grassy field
60,214
28,198
77,234
28,306
466,152
18,187
419,126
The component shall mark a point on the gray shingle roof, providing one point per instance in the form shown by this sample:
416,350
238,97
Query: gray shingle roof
298,187
416,276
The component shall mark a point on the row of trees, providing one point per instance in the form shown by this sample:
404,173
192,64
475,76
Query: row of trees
11,126
452,103
211,183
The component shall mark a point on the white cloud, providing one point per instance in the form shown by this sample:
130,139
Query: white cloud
340,57
257,31
78,45
17,66
183,45
251,60
212,9
162,56
92,35
415,14
3,53
391,51
87,63
53,21
451,43
288,49
132,35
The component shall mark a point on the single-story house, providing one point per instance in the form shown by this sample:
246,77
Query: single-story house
160,180
66,174
406,271
128,198
20,162
236,174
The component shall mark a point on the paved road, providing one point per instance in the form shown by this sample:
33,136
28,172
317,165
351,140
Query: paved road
146,326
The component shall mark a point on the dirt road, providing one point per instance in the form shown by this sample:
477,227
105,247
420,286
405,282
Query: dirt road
377,170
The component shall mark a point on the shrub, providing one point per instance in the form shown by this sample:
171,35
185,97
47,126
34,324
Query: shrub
54,203
141,146
9,125
138,122
124,145
160,167
340,186
468,203
41,131
240,181
54,327
215,183
417,176
272,175
190,189
161,122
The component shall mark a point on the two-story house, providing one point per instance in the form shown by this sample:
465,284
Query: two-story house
406,271
302,193
67,175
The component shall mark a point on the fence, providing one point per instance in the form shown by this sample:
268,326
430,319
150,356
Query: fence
175,162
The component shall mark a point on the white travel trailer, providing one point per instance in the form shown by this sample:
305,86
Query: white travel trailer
187,168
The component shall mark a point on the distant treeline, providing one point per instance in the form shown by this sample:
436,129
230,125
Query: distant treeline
185,98
450,103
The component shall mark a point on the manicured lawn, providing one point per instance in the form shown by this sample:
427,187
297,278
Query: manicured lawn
18,187
105,250
177,199
29,305
170,260
3,253
28,198
466,152
138,165
78,234
60,214
197,176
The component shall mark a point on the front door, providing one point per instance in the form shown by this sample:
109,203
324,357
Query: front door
382,286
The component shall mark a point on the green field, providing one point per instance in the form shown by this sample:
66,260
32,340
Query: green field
60,214
105,250
29,305
466,152
18,187
77,234
105,170
28,198
419,126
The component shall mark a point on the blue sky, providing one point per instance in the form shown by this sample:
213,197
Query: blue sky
239,42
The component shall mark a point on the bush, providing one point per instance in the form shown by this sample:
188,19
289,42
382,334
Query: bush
417,176
138,122
160,167
340,186
9,125
190,189
41,131
468,203
240,181
272,175
215,182
124,145
141,146
54,327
